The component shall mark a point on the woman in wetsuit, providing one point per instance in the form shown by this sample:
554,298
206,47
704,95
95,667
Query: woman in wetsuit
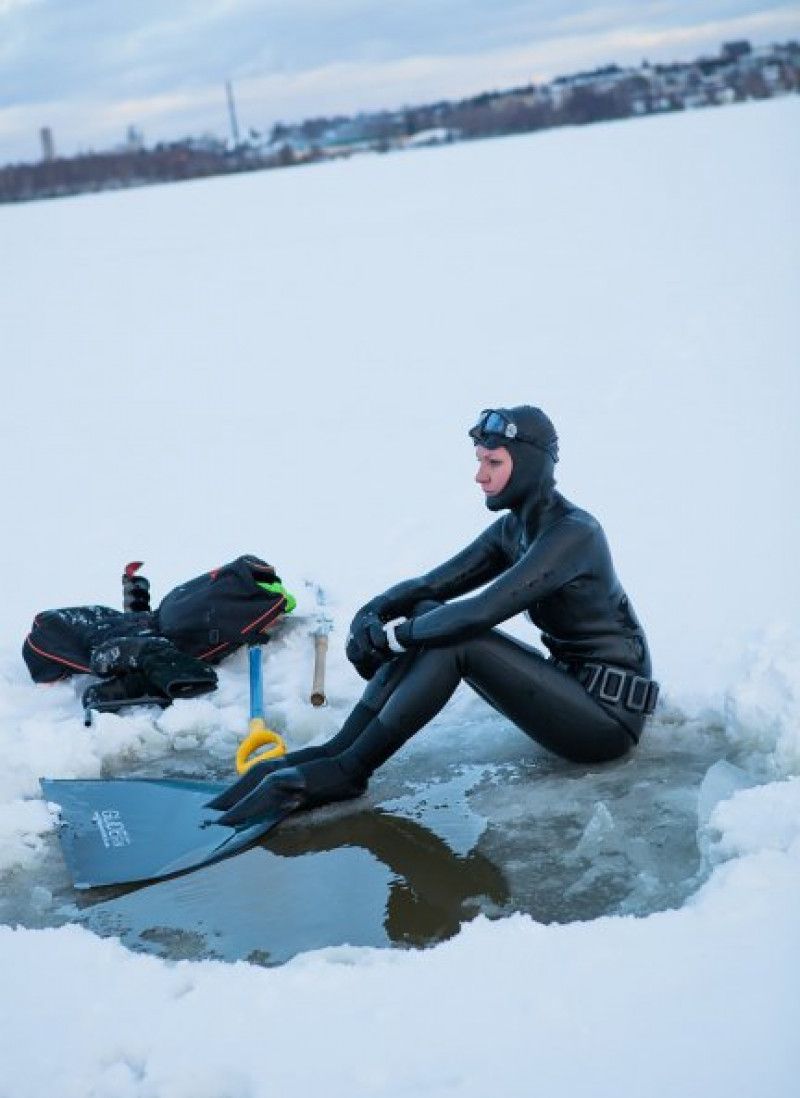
546,557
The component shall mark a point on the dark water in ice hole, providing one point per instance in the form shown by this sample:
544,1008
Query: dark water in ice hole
490,826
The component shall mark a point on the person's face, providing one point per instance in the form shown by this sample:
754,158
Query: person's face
494,469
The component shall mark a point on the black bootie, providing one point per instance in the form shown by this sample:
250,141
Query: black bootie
276,795
352,728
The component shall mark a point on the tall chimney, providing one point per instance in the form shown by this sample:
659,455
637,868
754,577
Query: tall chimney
48,146
232,113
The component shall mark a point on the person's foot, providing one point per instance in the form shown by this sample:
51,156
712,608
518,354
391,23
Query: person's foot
252,777
277,794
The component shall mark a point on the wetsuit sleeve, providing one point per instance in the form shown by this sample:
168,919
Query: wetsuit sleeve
477,564
556,558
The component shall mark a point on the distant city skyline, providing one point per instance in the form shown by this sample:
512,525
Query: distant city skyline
89,70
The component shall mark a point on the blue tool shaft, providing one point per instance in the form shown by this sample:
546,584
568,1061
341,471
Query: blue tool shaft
256,682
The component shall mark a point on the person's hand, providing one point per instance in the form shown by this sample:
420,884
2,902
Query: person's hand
367,645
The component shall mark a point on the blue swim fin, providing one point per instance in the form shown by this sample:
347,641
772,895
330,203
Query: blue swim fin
130,829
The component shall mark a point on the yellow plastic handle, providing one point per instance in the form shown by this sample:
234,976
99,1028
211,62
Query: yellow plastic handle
258,736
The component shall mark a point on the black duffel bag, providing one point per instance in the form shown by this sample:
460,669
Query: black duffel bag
61,642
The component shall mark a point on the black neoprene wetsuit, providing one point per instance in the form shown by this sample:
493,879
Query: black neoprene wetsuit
545,557
562,578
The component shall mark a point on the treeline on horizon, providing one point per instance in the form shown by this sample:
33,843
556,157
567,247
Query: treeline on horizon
738,74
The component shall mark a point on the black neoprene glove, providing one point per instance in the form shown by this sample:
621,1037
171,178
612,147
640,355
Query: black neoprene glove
156,663
119,655
174,673
367,647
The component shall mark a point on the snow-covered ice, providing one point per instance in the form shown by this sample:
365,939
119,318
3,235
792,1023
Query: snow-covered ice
286,363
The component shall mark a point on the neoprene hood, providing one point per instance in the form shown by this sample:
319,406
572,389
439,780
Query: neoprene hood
533,458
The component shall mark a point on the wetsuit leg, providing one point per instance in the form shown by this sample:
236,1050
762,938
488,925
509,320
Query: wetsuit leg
544,702
367,708
372,701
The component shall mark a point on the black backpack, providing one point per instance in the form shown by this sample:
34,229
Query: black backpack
211,616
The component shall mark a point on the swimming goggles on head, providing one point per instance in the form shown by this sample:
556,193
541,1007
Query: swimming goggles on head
492,422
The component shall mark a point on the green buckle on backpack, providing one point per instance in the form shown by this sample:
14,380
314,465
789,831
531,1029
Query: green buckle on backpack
277,588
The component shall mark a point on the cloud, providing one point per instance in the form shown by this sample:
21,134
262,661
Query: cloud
86,66
7,6
117,48
346,87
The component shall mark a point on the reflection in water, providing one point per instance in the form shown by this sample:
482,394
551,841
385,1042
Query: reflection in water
368,878
571,843
432,891
538,836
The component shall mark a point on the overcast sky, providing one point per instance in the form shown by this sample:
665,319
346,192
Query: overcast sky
91,68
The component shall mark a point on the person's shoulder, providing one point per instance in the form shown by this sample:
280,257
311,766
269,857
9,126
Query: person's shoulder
502,534
577,519
502,528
